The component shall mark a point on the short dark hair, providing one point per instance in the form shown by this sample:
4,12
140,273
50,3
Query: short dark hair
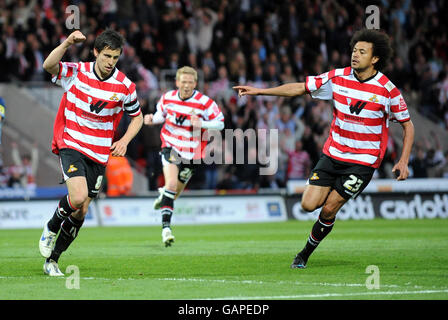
380,43
109,39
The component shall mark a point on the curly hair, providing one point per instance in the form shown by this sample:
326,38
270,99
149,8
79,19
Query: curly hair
380,43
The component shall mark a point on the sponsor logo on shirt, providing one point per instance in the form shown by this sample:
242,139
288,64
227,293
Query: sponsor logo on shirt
357,107
402,104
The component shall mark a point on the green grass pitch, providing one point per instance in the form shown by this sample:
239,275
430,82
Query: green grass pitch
235,261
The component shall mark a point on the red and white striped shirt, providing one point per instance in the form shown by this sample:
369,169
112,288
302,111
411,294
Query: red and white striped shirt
361,114
177,132
91,109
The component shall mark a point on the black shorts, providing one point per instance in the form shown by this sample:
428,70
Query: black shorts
76,164
186,167
348,179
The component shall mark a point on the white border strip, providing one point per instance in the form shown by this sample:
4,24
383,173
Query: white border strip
328,295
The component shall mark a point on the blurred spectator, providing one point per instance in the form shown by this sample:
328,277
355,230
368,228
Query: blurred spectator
287,75
25,167
228,181
214,150
286,121
4,75
310,145
400,74
221,87
248,173
148,53
36,58
444,169
2,116
3,174
22,65
15,174
23,12
109,9
207,19
147,12
418,163
119,177
443,97
435,157
286,146
211,176
299,163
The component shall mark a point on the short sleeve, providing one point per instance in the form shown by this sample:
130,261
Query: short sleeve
213,112
67,74
398,107
319,86
130,102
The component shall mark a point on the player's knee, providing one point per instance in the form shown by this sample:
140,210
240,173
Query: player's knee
308,206
78,199
83,209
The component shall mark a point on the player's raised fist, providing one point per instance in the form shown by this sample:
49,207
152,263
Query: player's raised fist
76,37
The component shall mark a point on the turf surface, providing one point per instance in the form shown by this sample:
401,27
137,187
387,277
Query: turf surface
239,261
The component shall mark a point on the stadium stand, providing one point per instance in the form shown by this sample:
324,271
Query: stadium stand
259,42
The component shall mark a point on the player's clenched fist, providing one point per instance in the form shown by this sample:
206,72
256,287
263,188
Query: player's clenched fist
76,37
147,119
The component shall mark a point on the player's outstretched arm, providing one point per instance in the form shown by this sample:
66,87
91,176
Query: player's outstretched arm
51,64
285,90
401,167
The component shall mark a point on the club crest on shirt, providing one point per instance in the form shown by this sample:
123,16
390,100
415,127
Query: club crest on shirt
114,97
72,169
374,99
314,176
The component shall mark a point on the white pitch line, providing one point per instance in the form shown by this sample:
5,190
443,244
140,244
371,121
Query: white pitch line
274,282
327,295
253,282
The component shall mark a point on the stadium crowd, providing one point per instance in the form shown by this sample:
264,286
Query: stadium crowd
259,42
